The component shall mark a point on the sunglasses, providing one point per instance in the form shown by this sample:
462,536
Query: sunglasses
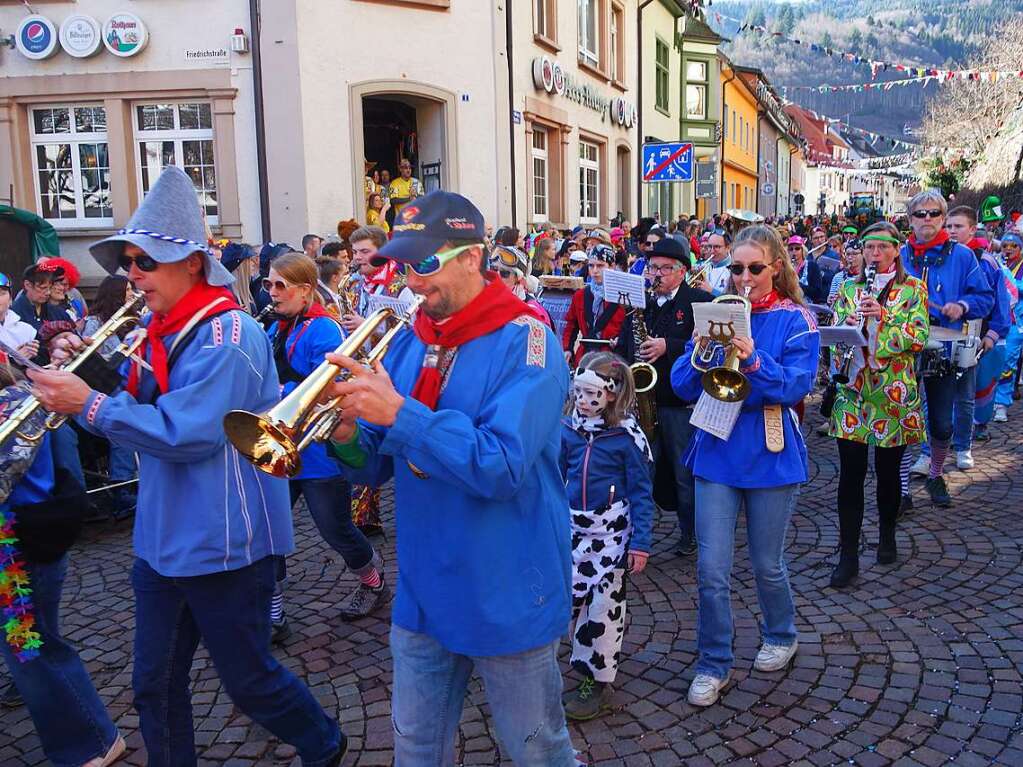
433,264
281,285
507,273
754,269
648,243
921,214
144,263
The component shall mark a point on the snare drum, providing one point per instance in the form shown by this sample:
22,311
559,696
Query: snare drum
934,361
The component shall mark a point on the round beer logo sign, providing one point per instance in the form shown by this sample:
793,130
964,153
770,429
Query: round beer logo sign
36,37
124,34
80,36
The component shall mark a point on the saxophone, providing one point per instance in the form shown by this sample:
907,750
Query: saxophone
644,375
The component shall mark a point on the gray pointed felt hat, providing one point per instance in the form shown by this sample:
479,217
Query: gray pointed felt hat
168,226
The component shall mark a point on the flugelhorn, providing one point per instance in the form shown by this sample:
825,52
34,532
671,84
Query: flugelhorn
273,441
129,314
724,382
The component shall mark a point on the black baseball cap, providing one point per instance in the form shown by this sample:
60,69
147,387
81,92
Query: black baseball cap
423,226
669,247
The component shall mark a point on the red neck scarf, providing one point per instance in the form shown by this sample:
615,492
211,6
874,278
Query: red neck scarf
919,250
764,302
310,313
195,301
383,275
494,308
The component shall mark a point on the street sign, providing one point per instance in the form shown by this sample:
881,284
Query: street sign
767,189
667,162
706,179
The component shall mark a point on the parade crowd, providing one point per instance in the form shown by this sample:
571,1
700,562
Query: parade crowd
532,444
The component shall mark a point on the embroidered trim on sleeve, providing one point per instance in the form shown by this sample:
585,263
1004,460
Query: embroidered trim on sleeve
90,416
536,342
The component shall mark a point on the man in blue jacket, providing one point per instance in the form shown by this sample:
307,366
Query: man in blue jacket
209,524
466,420
957,291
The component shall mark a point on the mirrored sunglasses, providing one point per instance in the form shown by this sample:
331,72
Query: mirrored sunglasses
144,263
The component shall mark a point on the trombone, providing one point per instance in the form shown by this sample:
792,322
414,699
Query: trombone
723,382
129,314
273,441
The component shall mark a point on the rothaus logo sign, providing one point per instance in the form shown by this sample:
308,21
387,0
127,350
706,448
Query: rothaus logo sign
550,76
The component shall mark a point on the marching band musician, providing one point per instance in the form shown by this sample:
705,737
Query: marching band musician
1012,267
957,290
880,404
590,315
669,320
209,524
481,509
761,464
301,338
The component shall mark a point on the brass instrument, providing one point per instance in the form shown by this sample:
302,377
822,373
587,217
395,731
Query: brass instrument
723,382
273,441
644,375
129,314
694,278
845,368
344,298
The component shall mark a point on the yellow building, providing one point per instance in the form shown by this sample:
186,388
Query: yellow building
739,139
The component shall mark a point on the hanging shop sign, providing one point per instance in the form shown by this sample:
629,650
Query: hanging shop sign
36,37
80,36
124,34
551,77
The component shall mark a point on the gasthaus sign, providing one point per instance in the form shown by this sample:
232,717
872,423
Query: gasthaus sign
550,76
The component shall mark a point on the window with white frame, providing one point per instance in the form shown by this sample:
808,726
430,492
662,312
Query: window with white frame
589,32
696,90
182,135
589,183
617,43
72,164
541,175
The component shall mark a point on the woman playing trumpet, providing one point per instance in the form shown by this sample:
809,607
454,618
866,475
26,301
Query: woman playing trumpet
760,465
879,404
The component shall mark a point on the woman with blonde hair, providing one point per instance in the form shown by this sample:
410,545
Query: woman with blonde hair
301,338
759,466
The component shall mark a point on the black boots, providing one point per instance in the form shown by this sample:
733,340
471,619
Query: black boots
847,569
886,551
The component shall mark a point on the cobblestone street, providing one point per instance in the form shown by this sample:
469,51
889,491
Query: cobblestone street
920,664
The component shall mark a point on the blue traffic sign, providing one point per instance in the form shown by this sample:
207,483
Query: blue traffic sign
667,162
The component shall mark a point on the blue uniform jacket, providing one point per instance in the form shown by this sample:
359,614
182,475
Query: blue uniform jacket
202,508
592,463
484,559
958,278
308,343
781,372
1000,318
36,484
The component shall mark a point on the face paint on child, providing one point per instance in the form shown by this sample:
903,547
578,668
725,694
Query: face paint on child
590,400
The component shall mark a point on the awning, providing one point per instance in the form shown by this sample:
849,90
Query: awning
44,236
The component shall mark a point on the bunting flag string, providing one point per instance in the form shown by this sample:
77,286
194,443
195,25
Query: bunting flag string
914,71
873,137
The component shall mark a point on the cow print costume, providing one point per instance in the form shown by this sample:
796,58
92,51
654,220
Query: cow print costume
600,545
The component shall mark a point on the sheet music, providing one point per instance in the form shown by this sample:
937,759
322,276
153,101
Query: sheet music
842,335
714,416
705,314
624,288
376,302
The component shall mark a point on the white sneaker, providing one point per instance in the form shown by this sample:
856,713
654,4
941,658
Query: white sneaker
922,467
1001,414
773,657
706,689
964,459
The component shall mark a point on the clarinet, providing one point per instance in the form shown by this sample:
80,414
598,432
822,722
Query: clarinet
841,376
266,313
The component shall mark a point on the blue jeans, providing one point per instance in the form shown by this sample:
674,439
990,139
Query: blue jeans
964,399
122,463
523,691
330,505
71,720
767,517
230,613
673,435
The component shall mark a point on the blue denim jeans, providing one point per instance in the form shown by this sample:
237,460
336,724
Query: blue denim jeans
767,518
673,435
523,691
122,463
330,505
72,722
230,613
964,392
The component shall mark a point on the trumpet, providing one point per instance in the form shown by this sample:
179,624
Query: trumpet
25,413
723,382
693,279
273,441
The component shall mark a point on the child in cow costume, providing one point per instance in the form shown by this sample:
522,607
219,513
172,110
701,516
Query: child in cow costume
606,462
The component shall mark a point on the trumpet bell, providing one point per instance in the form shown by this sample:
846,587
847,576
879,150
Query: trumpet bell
725,384
265,445
644,375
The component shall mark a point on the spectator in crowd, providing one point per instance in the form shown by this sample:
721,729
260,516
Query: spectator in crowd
405,188
376,211
243,262
33,305
311,245
14,332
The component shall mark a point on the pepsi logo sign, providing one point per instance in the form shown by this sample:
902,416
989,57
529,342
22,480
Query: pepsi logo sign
36,37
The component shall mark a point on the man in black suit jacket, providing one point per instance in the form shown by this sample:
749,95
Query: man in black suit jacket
669,320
